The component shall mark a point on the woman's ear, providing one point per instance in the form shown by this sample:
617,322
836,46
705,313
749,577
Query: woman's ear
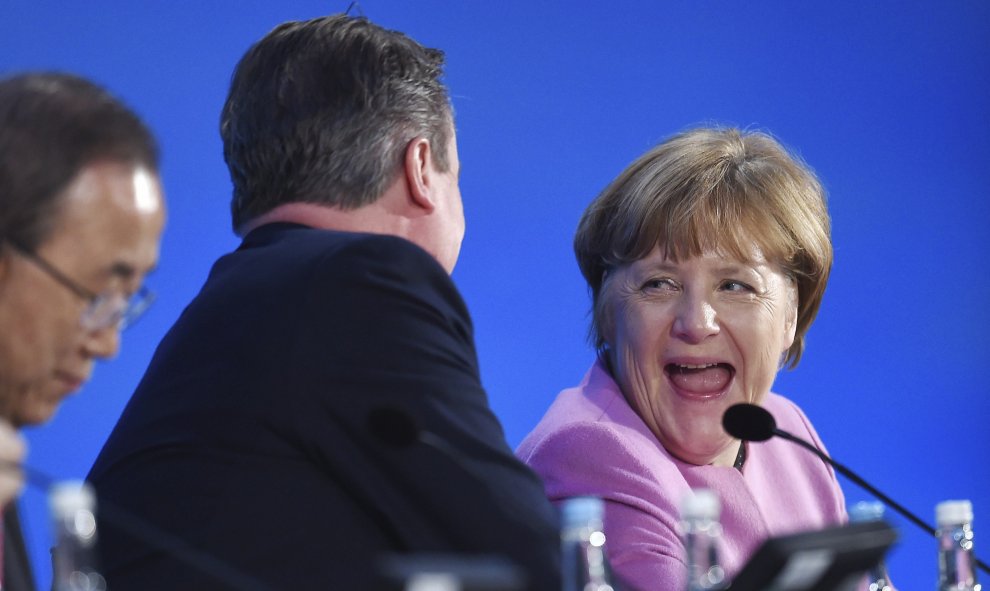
419,171
790,315
604,312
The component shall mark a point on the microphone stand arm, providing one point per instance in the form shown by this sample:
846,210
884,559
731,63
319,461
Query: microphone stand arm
869,487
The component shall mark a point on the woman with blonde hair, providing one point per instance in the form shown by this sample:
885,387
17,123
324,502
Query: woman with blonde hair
706,261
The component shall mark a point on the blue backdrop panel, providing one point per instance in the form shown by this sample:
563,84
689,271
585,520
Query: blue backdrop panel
888,101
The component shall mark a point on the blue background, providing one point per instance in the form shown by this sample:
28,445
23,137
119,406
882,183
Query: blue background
888,101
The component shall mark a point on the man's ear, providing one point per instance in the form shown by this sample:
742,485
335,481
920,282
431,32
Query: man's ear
419,171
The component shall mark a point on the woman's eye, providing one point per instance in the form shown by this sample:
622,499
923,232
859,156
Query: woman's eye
737,286
661,283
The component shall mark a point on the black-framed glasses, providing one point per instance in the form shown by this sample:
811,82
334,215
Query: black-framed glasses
103,310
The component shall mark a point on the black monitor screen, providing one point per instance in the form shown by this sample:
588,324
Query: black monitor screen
831,559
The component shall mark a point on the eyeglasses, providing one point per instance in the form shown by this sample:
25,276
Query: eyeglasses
103,310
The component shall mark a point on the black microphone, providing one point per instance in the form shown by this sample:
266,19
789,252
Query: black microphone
174,546
750,422
399,430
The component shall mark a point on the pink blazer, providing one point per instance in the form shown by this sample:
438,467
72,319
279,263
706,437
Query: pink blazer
590,442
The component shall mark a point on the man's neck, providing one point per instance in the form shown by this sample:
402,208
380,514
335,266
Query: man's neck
369,218
394,213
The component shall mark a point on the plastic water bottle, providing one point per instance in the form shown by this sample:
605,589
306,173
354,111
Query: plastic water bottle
72,505
872,511
702,533
583,562
956,562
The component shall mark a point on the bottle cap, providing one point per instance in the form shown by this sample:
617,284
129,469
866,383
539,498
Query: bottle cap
581,510
953,512
71,496
866,511
701,504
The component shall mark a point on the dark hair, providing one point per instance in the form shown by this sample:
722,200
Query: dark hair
51,126
321,111
714,189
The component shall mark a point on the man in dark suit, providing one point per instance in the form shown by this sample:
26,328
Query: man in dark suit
81,216
317,409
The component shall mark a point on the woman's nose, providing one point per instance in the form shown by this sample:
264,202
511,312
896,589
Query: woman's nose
696,319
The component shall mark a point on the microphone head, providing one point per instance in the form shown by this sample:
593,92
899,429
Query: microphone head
749,422
393,426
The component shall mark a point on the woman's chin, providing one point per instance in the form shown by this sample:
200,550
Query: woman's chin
720,453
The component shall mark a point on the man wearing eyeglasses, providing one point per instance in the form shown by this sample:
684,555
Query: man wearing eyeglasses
81,217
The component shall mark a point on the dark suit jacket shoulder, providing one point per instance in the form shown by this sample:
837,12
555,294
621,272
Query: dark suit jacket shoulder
316,407
17,575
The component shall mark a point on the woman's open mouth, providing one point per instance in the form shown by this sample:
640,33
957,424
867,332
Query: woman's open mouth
700,379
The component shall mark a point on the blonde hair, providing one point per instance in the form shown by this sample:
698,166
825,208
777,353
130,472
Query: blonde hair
711,190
